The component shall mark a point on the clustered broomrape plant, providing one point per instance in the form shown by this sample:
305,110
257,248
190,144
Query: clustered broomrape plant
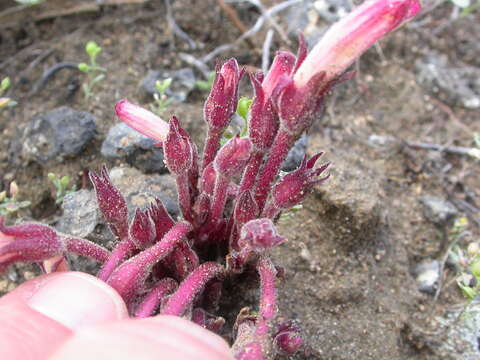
229,197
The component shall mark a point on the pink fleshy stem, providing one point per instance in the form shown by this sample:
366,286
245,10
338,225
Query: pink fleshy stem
268,296
212,144
87,248
128,278
120,253
219,198
148,305
251,171
184,198
271,210
181,299
281,145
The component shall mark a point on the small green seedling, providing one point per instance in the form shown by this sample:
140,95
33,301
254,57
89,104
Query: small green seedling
5,101
161,100
243,108
62,186
206,85
10,204
29,2
95,73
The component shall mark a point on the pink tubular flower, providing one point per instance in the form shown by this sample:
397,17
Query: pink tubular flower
27,242
142,120
347,39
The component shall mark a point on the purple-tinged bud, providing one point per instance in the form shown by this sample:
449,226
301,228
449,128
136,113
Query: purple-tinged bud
161,218
142,120
246,208
232,157
28,242
260,235
288,343
202,208
178,149
294,187
207,184
142,229
111,202
221,104
283,65
263,120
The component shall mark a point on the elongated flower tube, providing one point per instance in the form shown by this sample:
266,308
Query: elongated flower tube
178,303
142,120
154,298
128,279
350,37
30,242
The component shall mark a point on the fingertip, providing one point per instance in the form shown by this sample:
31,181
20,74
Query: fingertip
73,299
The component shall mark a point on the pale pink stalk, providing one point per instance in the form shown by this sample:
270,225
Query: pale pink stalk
178,303
118,255
142,120
86,248
153,299
350,37
130,276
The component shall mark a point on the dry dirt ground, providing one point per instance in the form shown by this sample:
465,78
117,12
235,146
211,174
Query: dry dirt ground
354,244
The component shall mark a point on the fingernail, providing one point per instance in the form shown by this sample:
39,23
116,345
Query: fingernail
76,300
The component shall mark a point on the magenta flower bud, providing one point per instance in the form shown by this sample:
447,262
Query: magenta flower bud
111,203
232,157
178,149
287,343
283,65
294,187
161,218
28,242
260,235
246,208
350,37
222,101
142,120
142,229
263,121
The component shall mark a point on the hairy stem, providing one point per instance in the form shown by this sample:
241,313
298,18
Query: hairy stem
153,299
184,198
212,144
87,248
190,288
120,253
251,171
281,145
219,198
129,277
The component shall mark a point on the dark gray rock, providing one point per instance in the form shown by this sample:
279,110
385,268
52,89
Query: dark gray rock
454,84
296,154
122,142
80,213
427,274
59,133
183,82
438,210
